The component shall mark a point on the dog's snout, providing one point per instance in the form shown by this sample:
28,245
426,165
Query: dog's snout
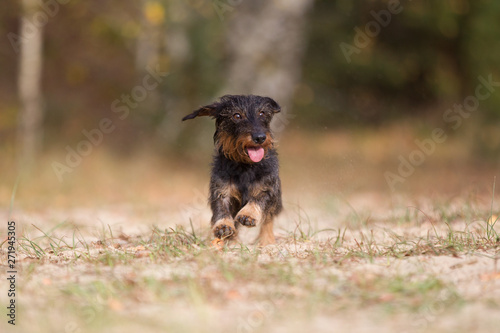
259,138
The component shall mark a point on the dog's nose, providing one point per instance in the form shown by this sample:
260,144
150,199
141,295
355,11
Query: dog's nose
259,138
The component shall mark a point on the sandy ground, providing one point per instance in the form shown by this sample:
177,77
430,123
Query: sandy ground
352,255
467,303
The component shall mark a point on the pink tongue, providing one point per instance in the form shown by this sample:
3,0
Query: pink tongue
256,154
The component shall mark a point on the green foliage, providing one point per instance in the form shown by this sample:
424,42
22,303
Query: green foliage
429,54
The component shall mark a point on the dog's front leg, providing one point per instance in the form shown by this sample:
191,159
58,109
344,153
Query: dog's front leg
222,197
252,214
264,205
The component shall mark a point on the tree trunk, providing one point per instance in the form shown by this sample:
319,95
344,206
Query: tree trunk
177,49
266,45
30,130
148,41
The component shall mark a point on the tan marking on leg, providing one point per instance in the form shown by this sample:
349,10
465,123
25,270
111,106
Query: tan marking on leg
250,215
234,192
256,191
228,191
266,235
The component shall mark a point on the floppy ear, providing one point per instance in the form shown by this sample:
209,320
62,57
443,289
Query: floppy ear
272,104
207,110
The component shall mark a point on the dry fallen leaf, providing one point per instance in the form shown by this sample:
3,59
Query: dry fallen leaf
218,243
490,276
492,219
115,305
233,295
387,297
142,254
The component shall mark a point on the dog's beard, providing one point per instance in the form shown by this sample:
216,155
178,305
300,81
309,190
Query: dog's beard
242,149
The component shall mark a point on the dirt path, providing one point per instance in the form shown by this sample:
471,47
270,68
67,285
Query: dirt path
364,270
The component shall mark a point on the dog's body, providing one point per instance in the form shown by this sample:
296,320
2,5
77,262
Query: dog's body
245,187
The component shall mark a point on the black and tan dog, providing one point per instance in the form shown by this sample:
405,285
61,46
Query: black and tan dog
245,187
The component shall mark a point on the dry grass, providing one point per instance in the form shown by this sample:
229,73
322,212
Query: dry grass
173,280
122,245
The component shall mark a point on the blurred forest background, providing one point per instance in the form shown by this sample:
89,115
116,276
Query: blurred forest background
77,62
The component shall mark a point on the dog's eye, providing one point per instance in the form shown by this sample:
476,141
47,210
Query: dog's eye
236,116
261,114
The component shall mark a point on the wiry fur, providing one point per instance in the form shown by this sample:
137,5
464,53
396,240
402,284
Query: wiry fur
234,148
243,192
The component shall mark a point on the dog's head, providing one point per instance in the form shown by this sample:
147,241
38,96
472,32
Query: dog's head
243,131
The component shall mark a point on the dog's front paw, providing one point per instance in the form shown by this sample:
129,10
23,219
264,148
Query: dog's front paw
250,215
224,229
246,220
